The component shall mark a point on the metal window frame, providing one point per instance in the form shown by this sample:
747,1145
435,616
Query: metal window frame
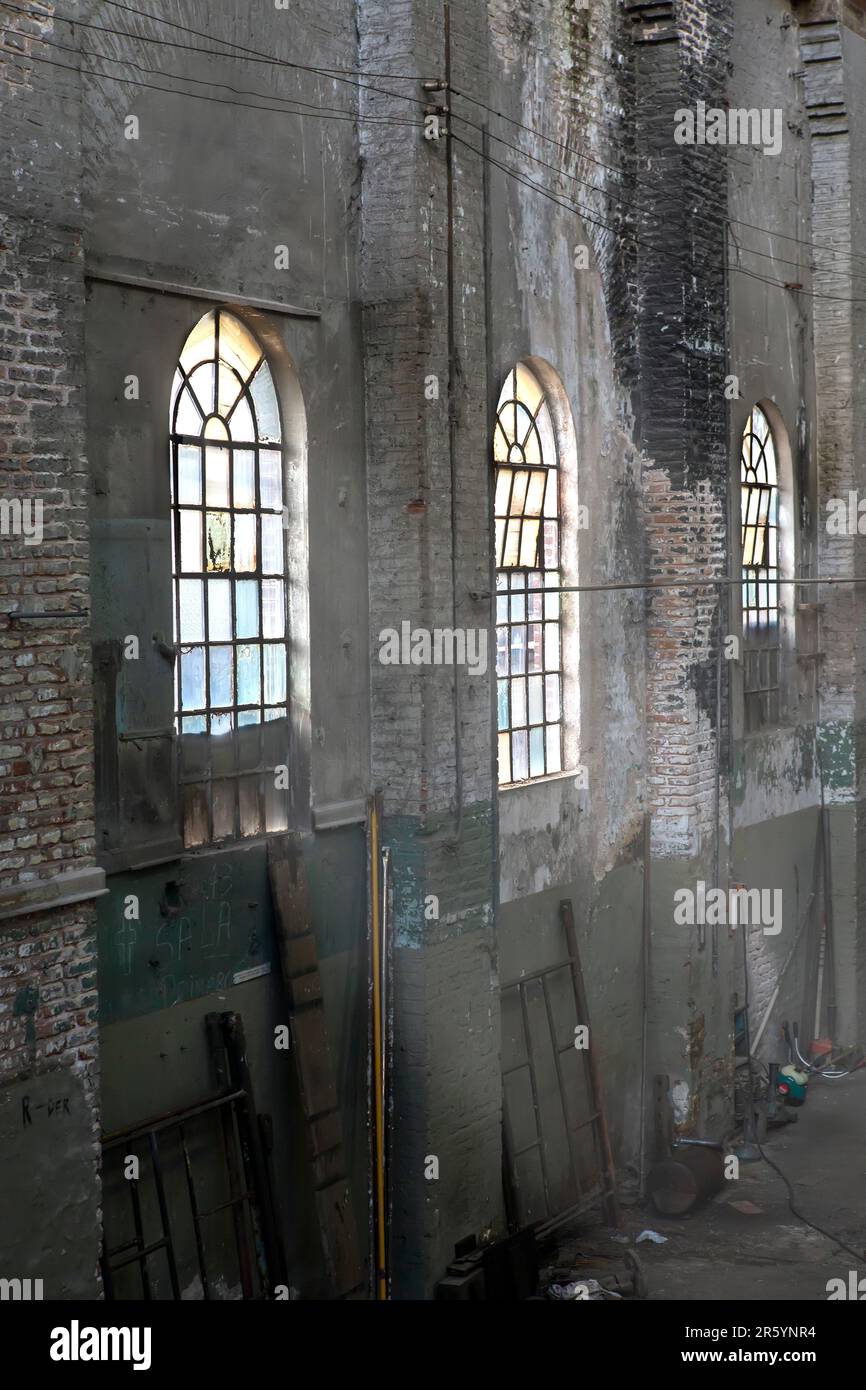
207,776
762,640
528,580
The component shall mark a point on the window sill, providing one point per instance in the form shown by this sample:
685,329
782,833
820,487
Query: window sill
539,781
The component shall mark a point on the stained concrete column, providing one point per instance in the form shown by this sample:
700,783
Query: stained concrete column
428,479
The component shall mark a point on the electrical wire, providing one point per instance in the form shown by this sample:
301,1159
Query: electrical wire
313,113
335,73
579,210
342,74
859,1255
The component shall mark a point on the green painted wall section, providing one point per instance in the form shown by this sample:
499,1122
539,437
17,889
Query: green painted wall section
204,920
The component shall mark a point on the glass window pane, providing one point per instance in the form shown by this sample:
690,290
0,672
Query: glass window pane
529,544
273,561
520,756
201,383
200,343
223,810
536,700
189,475
275,674
188,419
554,748
271,479
505,757
218,531
217,477
192,678
551,692
535,652
215,428
244,479
502,704
196,816
265,401
238,347
221,676
241,422
551,646
535,495
503,490
190,542
518,703
502,651
276,807
536,753
245,544
219,613
191,610
250,806
518,651
273,608
551,545
193,724
249,658
247,608
229,390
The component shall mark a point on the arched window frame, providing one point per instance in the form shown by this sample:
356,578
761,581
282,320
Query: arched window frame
530,573
228,514
767,545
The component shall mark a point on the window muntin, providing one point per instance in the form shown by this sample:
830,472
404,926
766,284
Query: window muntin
528,617
228,569
759,494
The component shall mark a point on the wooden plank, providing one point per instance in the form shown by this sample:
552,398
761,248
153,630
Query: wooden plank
313,1062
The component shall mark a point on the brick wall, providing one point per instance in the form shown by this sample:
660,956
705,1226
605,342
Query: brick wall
48,1028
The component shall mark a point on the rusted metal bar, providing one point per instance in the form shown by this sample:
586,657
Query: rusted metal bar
163,1212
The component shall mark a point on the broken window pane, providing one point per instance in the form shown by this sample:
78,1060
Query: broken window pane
218,530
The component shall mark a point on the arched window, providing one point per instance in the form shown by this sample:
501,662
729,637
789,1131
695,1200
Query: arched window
759,490
528,617
229,567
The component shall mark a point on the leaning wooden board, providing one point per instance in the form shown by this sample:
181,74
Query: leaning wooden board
313,1063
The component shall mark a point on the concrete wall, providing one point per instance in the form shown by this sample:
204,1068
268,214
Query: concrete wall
218,186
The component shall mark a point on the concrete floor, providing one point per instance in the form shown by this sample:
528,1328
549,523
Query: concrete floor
720,1253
